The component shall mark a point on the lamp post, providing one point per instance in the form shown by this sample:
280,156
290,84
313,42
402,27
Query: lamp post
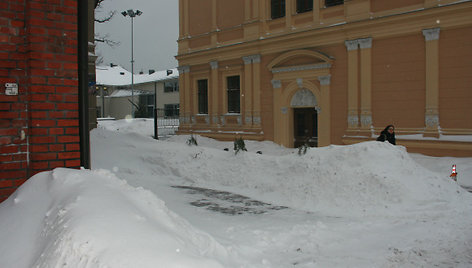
132,15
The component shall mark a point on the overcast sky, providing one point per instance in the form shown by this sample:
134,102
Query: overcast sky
155,34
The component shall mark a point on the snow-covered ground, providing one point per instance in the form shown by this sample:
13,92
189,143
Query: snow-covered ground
149,203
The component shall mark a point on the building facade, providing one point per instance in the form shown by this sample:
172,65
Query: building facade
328,72
154,89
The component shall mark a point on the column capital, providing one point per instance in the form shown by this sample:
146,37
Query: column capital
351,44
214,64
256,58
325,80
431,34
365,42
252,59
247,59
183,69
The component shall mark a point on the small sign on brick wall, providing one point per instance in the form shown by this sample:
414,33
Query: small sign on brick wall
11,89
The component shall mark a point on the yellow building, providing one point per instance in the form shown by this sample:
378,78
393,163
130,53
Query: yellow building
328,72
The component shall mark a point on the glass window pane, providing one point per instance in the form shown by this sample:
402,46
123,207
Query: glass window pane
202,96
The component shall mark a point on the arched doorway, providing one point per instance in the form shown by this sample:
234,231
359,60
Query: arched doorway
305,118
301,98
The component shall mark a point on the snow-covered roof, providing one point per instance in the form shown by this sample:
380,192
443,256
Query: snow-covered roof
119,76
127,93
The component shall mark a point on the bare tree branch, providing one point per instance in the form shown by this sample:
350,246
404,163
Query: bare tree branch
104,39
107,18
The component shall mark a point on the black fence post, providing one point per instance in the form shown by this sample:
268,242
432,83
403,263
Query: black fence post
155,124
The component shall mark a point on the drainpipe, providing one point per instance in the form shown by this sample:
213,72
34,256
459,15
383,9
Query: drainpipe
82,21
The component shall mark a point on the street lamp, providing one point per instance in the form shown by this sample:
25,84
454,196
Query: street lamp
132,14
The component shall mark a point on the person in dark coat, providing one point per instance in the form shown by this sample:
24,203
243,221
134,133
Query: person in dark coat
388,134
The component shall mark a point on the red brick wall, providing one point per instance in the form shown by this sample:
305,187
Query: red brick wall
39,127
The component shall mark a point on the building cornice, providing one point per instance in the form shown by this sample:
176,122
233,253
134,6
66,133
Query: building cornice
376,28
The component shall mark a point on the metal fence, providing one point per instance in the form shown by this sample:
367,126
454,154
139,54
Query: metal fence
167,126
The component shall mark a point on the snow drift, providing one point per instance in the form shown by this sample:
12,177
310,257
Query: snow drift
361,179
72,218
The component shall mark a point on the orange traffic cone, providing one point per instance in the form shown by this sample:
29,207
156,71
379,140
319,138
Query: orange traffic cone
454,173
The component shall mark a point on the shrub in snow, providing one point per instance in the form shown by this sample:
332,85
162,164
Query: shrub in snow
303,148
239,145
192,141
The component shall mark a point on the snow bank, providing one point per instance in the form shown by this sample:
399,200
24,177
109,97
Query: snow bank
84,218
370,178
361,179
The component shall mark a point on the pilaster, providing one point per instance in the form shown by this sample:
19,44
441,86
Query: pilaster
248,91
184,82
316,12
352,85
366,84
214,25
214,112
184,74
432,82
256,69
324,136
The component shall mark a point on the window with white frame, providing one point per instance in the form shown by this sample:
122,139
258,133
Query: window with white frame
171,86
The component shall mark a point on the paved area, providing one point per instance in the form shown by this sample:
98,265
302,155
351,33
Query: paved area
226,202
468,188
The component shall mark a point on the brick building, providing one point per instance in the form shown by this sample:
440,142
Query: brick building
42,68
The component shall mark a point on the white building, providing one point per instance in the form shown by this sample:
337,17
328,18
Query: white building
115,96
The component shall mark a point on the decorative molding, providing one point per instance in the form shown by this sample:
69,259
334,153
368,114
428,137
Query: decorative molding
300,82
303,98
222,120
301,68
214,64
325,80
256,120
353,120
318,109
207,119
351,44
276,83
193,119
256,58
366,119
431,120
252,59
215,119
284,110
247,59
238,119
183,69
365,43
248,120
431,34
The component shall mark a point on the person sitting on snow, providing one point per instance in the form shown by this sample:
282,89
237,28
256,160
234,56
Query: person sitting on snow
388,134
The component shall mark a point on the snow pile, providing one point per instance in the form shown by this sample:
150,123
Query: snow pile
364,205
361,179
75,218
